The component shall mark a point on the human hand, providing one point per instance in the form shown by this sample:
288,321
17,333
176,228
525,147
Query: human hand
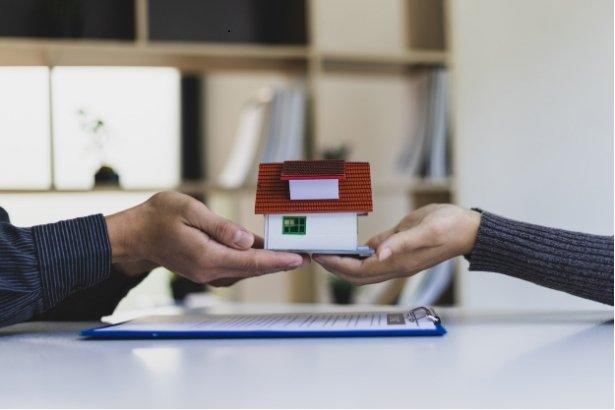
425,237
180,233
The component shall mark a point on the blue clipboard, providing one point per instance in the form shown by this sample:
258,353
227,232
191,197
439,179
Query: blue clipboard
420,321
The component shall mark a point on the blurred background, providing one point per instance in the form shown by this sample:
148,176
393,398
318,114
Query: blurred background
506,105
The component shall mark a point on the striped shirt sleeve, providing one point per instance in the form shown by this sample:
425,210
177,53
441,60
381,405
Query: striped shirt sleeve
577,263
43,265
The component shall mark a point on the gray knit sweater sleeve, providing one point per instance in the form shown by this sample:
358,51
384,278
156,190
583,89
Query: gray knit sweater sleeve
577,263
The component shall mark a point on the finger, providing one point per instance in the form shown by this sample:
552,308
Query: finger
346,265
408,222
356,271
223,282
402,242
219,228
252,262
259,243
237,275
376,240
223,275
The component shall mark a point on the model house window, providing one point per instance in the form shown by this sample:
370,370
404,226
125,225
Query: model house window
293,225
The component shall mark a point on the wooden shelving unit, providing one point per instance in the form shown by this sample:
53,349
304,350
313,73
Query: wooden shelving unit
207,57
308,61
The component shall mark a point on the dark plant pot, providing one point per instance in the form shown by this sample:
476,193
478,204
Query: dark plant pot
342,293
106,177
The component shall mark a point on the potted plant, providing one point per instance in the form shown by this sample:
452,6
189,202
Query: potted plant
342,291
96,130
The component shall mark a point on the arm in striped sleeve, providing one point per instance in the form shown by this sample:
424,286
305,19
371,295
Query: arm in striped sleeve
43,265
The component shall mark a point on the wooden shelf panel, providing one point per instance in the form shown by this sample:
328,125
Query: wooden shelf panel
184,56
409,58
193,56
10,191
205,187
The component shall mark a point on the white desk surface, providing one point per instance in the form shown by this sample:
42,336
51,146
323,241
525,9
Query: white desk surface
487,359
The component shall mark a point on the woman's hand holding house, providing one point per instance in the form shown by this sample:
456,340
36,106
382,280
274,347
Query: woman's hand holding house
425,237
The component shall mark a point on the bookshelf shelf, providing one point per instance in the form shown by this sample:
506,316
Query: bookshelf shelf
409,58
9,191
205,187
53,52
211,188
194,188
197,49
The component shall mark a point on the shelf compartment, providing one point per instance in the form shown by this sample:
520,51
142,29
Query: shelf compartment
228,21
75,19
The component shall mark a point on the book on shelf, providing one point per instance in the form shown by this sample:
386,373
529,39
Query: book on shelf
284,136
247,137
425,152
270,129
437,164
426,287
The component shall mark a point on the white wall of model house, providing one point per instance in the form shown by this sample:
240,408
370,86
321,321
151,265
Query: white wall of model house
323,231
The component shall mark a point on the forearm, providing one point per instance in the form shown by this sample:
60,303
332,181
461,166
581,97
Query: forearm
41,266
94,302
125,231
20,283
576,263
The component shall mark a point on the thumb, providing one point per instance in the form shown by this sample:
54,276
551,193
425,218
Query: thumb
375,241
221,229
400,242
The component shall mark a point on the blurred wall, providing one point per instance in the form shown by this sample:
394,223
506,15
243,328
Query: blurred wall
533,113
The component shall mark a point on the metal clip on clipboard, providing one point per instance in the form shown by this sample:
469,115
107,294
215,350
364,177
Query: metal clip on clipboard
423,311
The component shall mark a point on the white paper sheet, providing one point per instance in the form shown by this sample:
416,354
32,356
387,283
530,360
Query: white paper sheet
295,322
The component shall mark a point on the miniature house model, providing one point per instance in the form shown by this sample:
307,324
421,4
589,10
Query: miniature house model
313,206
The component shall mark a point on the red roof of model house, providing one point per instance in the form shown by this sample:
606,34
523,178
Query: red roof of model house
325,169
355,188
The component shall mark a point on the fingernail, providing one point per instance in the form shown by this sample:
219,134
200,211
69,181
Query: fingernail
384,254
296,264
243,239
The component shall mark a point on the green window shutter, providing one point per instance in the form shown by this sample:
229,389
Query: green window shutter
293,225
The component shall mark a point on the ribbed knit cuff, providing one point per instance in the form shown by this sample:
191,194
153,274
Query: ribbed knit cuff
573,262
74,254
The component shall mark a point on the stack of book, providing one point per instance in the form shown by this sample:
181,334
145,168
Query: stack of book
271,128
426,151
426,287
